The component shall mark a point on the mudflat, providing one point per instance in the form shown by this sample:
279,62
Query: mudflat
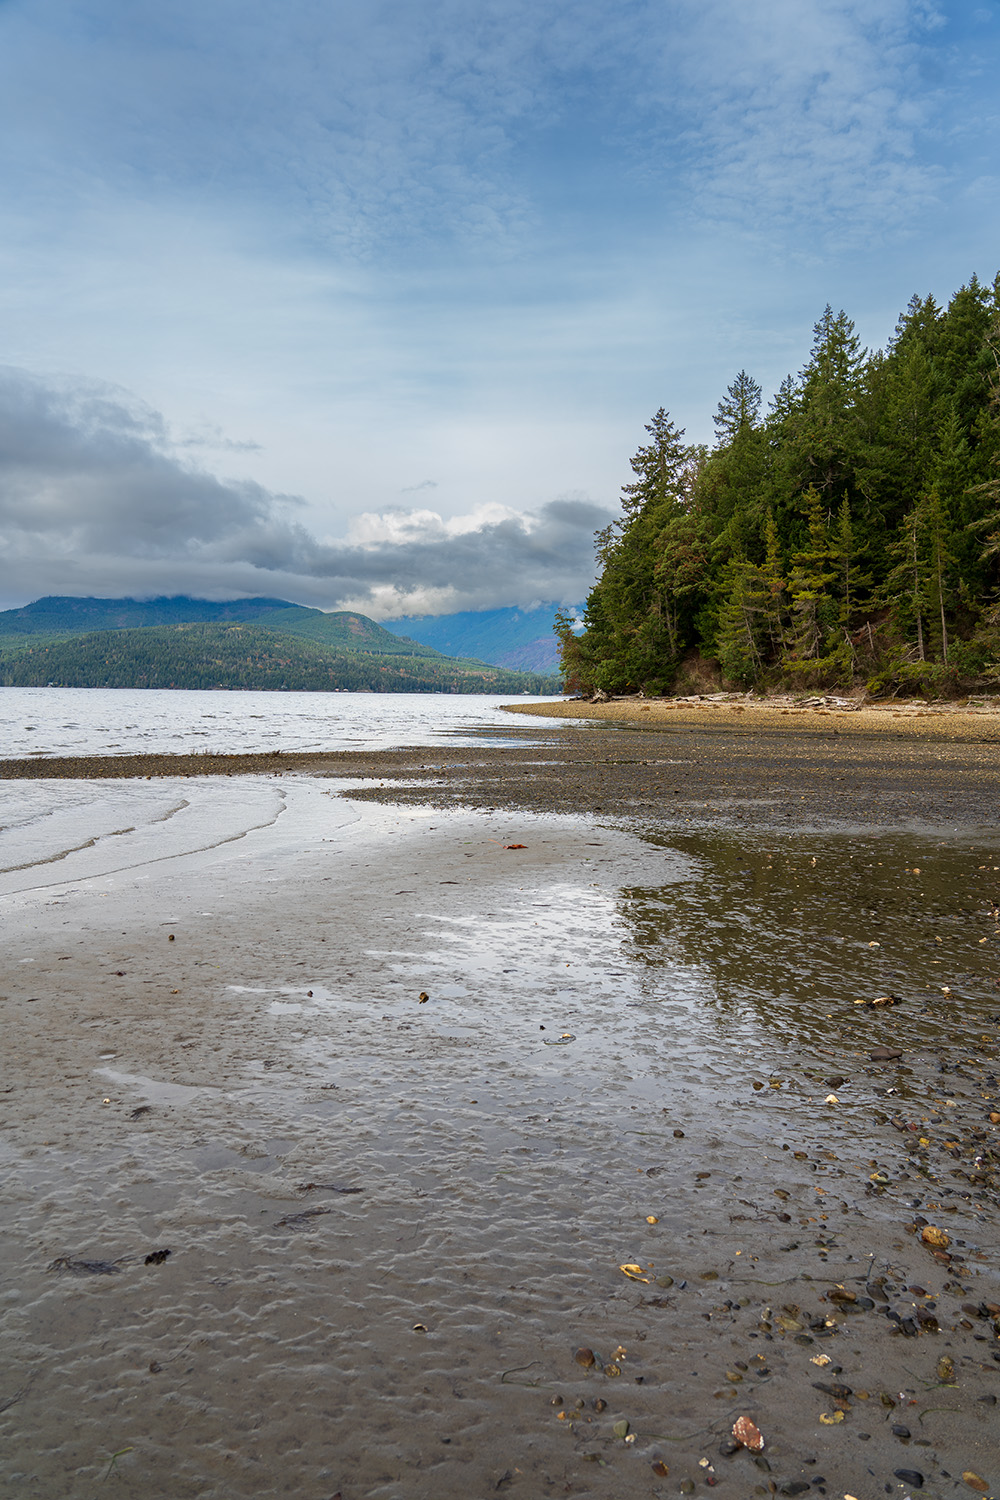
538,1112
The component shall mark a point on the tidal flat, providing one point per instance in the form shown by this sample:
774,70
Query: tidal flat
516,1121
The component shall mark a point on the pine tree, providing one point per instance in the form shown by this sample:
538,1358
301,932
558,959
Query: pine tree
813,608
740,641
774,590
659,465
851,582
872,484
920,586
739,410
824,432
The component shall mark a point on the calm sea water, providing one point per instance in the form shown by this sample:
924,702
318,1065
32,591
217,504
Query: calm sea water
123,721
60,833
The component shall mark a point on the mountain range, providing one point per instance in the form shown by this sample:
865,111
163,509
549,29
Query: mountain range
247,643
521,639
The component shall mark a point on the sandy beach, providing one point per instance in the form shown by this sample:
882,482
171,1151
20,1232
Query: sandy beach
515,1118
946,719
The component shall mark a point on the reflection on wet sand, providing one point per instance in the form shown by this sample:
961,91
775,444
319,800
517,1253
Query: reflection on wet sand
716,1126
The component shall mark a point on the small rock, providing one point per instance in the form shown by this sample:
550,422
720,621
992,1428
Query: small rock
974,1482
748,1434
585,1357
931,1235
910,1476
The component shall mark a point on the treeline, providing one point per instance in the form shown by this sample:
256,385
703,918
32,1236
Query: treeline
848,534
241,656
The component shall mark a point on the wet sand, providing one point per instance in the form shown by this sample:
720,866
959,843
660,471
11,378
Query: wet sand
632,1032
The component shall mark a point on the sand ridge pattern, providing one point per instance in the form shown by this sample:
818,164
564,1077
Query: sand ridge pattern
198,1060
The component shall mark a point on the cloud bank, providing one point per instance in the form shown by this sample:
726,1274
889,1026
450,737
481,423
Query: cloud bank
96,499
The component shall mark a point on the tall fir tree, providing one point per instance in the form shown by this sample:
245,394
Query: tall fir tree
853,529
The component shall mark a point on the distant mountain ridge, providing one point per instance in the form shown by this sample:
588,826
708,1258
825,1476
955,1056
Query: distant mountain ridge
62,614
523,639
247,643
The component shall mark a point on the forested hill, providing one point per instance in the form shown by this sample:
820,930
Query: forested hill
56,617
237,655
849,533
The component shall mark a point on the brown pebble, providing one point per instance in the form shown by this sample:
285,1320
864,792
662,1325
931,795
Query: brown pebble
585,1357
931,1235
747,1433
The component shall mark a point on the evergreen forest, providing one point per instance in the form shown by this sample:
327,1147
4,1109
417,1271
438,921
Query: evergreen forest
846,536
242,656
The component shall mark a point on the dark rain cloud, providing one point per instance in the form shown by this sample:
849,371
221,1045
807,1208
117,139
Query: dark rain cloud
94,499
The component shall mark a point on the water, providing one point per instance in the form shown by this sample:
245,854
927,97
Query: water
123,721
54,832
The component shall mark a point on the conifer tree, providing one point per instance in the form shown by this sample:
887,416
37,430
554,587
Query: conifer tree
920,585
739,410
812,605
740,643
871,486
774,588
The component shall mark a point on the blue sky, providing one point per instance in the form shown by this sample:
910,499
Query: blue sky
366,304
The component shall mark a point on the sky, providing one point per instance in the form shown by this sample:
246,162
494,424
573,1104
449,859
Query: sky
365,305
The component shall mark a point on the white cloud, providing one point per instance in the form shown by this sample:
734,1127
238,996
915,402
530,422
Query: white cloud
95,500
804,113
345,246
385,127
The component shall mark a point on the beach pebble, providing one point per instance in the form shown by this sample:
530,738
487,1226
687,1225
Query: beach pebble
748,1434
931,1235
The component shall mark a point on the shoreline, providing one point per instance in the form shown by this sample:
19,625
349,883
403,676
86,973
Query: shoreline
697,770
731,710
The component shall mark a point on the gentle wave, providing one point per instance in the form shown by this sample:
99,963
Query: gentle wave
47,722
